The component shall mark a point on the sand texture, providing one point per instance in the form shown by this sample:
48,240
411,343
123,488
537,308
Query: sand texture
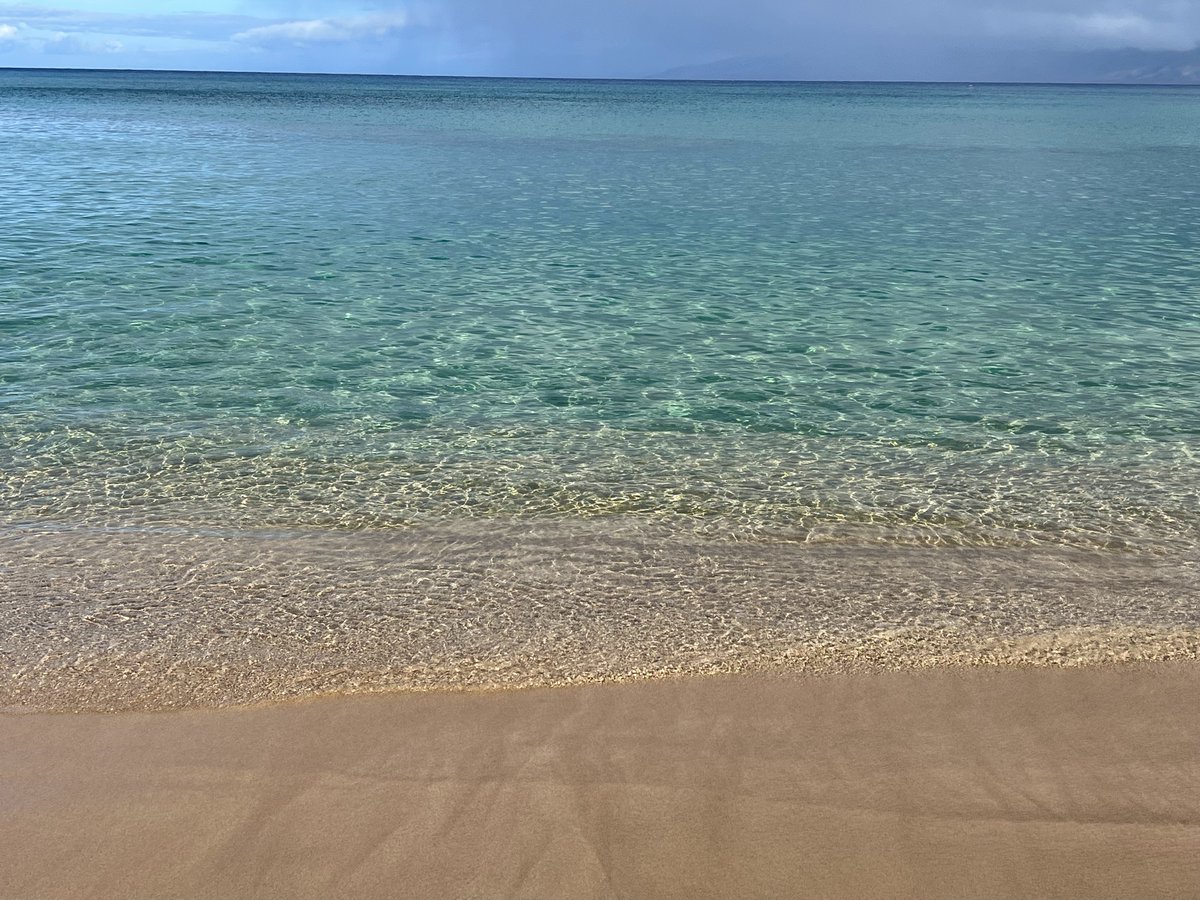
968,783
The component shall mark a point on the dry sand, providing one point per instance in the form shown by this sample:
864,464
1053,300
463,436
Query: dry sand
969,783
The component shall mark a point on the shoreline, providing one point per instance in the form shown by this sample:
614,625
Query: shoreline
108,621
999,782
900,652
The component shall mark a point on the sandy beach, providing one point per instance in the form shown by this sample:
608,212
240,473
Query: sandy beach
947,783
609,486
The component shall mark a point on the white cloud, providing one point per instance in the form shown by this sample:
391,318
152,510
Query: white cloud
74,44
215,27
22,37
326,31
61,42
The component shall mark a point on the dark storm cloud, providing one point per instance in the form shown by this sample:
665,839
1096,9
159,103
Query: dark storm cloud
639,36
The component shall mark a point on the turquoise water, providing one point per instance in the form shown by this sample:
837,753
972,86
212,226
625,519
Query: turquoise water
261,307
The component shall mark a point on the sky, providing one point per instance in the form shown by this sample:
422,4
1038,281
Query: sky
822,39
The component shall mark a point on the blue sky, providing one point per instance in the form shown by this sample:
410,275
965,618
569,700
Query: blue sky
621,38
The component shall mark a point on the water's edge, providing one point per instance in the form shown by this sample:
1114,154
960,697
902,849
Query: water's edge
111,620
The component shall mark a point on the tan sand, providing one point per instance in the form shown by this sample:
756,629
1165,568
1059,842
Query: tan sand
979,783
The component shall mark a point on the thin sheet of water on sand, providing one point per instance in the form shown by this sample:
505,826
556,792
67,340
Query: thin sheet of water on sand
98,619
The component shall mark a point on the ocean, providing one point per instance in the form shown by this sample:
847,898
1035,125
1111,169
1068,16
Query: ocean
329,383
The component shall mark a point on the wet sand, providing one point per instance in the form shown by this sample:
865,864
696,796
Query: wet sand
948,783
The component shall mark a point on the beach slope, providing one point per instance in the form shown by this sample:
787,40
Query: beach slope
949,783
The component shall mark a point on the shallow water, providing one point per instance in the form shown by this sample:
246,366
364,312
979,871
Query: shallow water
925,346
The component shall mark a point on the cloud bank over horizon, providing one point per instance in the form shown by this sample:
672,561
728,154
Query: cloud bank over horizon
821,39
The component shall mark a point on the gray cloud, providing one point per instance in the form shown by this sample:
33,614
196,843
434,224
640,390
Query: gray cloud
840,38
814,38
1116,27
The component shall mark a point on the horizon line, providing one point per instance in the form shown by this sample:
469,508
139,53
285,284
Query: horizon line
658,79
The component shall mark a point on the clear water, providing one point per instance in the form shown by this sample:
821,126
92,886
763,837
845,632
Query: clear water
366,313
